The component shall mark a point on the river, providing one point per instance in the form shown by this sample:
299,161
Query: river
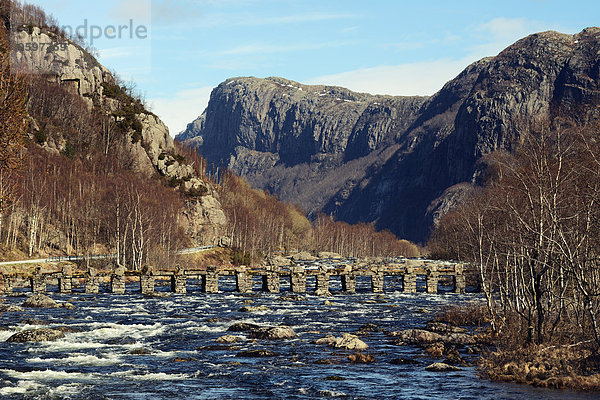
96,362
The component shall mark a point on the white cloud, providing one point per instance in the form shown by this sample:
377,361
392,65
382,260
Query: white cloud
178,111
420,78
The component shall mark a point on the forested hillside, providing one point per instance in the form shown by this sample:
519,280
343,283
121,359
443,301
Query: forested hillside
86,168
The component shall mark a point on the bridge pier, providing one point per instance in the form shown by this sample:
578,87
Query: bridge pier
298,279
5,284
322,279
432,280
38,284
178,282
210,283
65,281
147,280
349,282
117,284
271,279
92,284
377,280
243,280
460,283
117,280
409,281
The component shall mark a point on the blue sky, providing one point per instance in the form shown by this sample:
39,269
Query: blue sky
375,46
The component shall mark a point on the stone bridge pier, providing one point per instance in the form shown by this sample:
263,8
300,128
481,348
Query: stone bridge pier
377,279
179,281
117,280
243,280
65,280
38,281
322,282
271,282
348,280
147,280
298,279
92,281
210,283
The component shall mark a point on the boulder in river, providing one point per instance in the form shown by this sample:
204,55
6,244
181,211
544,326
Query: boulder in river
243,327
461,339
416,336
347,341
442,367
40,301
273,333
10,308
442,327
361,358
36,335
254,309
228,339
256,353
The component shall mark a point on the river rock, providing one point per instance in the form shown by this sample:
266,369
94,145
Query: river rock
435,350
36,335
40,301
461,339
347,341
139,352
367,329
256,353
441,327
360,358
254,309
228,339
441,367
10,308
416,336
273,333
35,321
454,358
243,327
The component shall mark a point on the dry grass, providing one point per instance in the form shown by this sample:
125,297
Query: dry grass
216,256
472,314
541,366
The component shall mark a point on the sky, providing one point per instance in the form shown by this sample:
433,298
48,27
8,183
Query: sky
177,51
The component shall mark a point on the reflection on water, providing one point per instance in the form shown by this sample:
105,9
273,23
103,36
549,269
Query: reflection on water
126,348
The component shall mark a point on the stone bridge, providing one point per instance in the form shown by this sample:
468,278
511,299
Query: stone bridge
270,277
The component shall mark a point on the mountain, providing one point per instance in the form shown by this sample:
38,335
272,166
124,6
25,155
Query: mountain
304,143
78,108
399,162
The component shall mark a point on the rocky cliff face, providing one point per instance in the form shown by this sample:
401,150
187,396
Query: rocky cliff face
398,162
304,143
36,51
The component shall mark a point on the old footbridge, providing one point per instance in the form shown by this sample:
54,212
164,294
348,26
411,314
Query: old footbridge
296,277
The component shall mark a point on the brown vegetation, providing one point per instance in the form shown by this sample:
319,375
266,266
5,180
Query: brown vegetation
533,231
360,240
12,126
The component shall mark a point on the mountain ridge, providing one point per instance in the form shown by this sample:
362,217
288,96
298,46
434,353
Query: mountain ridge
436,142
